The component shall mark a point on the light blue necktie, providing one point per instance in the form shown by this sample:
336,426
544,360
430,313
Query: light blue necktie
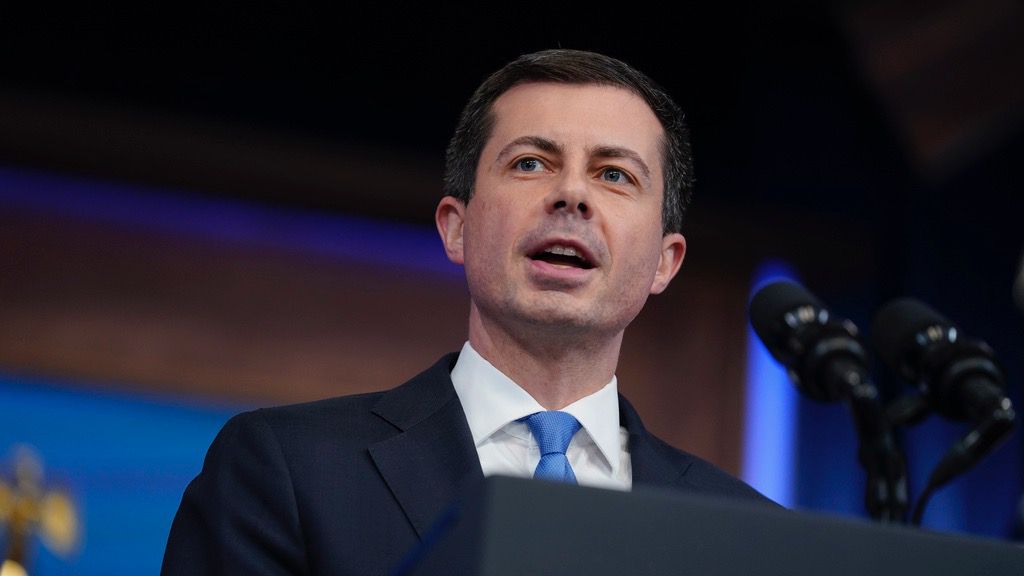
553,431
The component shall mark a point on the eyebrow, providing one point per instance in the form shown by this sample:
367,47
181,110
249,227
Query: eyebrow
539,142
553,147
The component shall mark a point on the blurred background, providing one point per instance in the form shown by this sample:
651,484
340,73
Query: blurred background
206,210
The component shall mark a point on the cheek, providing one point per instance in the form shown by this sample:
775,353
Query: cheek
486,240
494,223
643,253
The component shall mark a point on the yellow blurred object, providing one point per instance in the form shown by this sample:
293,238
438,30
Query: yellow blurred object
27,508
12,568
58,522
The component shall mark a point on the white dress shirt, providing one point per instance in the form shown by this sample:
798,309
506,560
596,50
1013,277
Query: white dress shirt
598,453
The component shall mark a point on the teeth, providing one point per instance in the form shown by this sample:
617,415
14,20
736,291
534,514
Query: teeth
563,251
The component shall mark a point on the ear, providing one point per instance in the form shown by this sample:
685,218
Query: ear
450,217
673,250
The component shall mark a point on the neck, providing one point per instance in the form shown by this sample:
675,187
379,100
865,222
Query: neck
555,367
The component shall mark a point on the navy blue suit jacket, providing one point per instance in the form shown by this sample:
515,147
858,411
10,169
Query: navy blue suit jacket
349,485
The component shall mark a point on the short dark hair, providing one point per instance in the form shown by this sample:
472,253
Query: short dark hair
572,67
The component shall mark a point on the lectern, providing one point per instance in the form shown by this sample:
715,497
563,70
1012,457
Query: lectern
517,527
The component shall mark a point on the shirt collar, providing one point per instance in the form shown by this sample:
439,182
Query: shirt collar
491,400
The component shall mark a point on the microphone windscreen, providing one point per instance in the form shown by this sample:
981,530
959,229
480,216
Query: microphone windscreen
895,325
770,304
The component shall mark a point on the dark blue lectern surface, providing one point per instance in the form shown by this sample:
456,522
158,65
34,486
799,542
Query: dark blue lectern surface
509,526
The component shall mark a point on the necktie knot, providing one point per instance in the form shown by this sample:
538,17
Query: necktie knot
553,431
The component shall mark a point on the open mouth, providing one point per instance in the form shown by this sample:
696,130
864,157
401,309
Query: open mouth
563,256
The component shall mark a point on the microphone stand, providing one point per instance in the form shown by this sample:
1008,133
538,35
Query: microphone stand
886,496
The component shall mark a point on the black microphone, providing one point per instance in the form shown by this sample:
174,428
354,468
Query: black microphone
958,376
820,351
827,361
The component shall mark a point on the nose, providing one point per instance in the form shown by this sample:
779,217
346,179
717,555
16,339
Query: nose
580,207
571,196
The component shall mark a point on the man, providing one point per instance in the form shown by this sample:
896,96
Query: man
565,187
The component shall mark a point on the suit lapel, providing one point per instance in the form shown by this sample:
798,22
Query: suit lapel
432,457
652,463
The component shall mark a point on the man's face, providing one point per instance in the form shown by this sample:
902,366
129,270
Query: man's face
564,230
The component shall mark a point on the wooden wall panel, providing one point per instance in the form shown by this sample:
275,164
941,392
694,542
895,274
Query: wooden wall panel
140,309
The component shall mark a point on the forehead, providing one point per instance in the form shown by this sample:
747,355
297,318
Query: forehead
589,115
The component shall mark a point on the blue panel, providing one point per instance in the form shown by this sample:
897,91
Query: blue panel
126,460
769,444
830,477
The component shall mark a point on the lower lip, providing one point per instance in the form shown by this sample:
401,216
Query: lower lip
547,273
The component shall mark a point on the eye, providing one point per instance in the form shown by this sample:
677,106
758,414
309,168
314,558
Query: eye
616,176
529,164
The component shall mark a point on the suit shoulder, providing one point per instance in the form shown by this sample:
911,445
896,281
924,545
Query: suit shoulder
340,417
707,477
329,408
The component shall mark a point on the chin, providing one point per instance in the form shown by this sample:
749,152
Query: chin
561,319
